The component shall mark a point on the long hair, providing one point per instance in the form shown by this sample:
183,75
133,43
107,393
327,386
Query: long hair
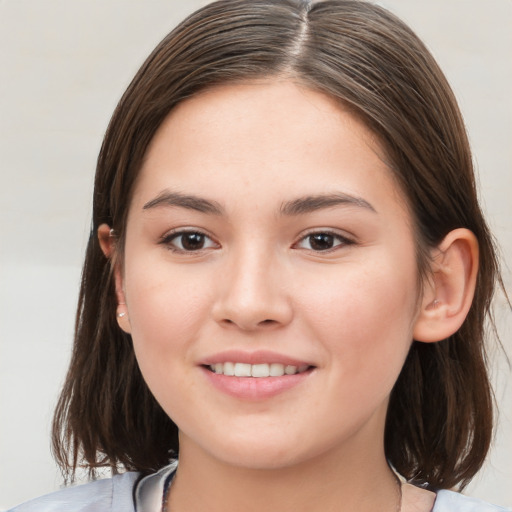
439,422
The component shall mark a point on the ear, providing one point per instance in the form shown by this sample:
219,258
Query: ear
107,241
448,294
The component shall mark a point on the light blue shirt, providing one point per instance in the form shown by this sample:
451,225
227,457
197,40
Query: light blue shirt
122,493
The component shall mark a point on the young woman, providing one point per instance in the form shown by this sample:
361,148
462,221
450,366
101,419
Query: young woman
287,279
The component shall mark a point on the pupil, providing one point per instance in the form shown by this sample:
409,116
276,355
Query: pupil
192,241
321,241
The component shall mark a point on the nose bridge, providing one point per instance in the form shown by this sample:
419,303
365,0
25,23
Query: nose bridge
252,294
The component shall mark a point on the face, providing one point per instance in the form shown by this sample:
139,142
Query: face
269,276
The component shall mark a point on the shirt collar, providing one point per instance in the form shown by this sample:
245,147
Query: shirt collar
150,491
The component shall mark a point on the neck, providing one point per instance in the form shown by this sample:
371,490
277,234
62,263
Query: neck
338,482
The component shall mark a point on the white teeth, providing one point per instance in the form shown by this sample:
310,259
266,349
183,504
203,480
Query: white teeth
229,369
242,370
276,370
260,370
290,370
256,370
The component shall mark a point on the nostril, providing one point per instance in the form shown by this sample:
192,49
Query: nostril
249,326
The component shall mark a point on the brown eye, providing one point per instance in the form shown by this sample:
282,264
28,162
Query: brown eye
192,241
188,241
323,241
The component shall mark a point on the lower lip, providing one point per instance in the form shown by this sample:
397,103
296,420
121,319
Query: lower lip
255,388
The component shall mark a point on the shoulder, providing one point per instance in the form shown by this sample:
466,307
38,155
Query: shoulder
108,495
448,501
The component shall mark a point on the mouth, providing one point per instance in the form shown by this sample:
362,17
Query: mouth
255,376
260,370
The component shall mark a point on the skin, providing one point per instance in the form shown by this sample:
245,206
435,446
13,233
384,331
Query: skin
259,282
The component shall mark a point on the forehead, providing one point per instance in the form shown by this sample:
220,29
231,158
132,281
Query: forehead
278,113
267,137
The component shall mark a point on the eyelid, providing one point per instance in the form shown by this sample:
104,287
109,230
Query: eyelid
344,238
169,236
172,234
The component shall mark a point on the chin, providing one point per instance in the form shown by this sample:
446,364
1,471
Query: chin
261,451
260,459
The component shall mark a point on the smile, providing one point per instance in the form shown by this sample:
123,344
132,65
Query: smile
232,369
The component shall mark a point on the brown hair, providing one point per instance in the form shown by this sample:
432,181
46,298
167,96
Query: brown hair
439,422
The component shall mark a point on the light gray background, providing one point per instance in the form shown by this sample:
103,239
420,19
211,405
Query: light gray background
64,65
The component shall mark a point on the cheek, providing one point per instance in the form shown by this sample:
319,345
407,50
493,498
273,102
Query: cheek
364,319
166,310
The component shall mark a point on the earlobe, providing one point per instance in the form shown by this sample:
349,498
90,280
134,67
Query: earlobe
107,243
123,319
448,294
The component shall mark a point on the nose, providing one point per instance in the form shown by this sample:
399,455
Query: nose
252,293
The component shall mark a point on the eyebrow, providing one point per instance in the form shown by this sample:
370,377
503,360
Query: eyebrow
308,204
190,202
299,206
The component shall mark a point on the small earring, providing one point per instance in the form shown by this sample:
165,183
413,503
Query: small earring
121,314
434,304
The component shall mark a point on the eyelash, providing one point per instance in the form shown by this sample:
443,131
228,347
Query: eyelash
343,241
169,238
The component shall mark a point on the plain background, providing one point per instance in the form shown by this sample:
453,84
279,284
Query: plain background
64,64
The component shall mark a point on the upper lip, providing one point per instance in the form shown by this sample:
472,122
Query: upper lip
257,357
